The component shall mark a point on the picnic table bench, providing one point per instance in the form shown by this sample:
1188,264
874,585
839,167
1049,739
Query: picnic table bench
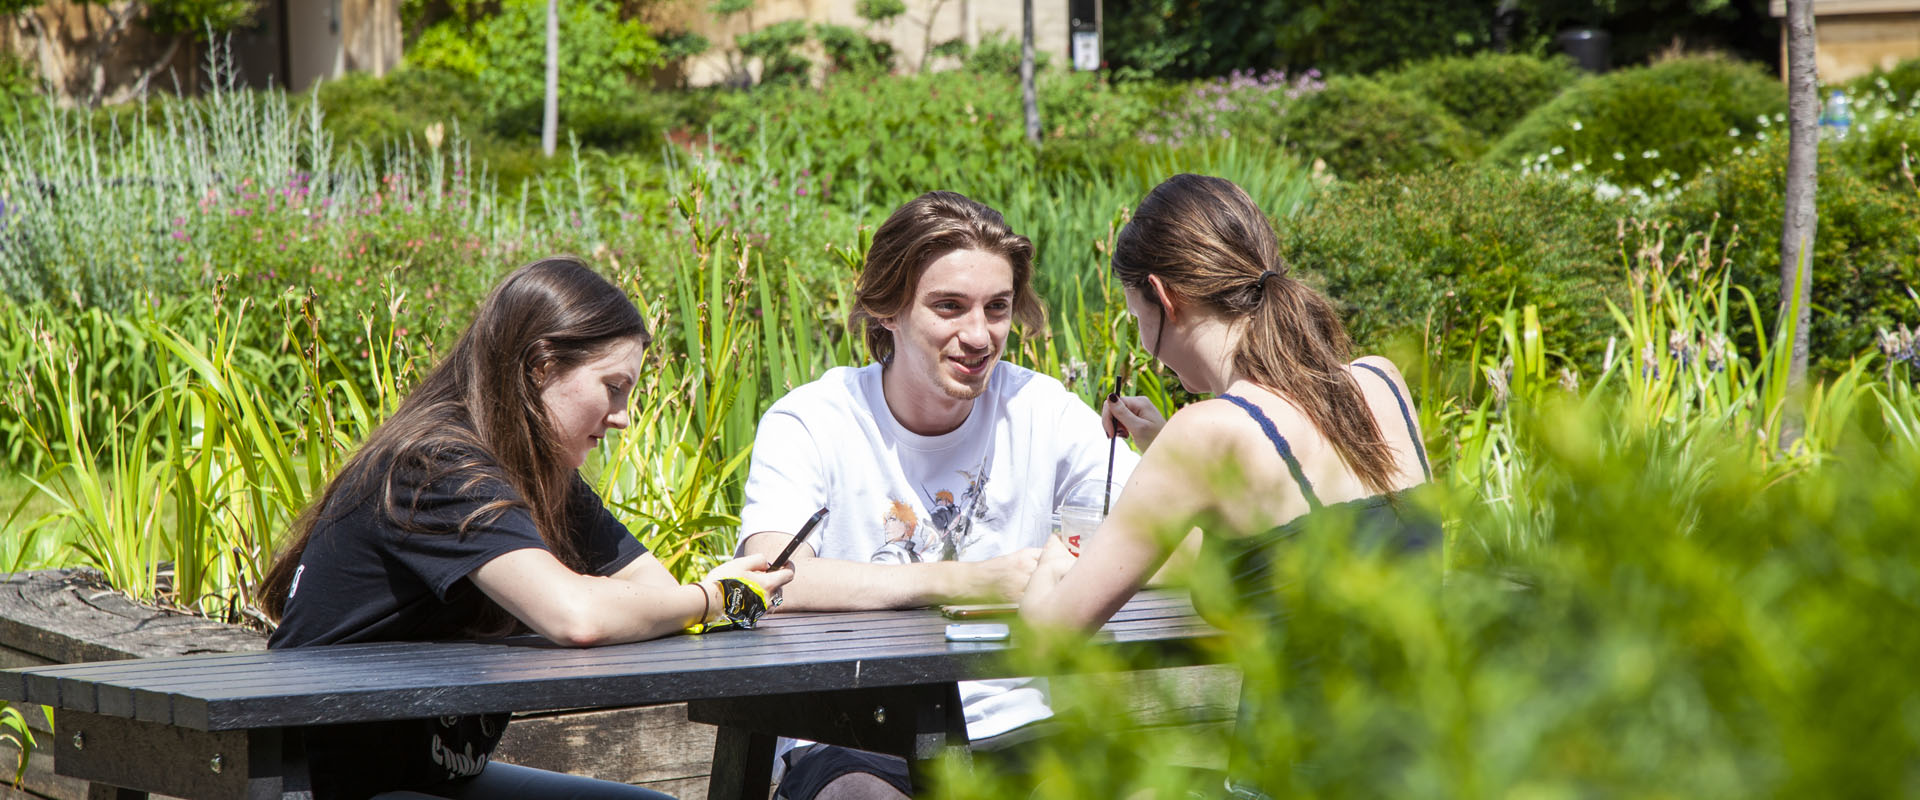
226,725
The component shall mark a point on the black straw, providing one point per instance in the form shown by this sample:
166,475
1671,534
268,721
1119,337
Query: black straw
1113,441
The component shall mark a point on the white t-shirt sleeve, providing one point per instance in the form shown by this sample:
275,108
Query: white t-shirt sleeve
786,479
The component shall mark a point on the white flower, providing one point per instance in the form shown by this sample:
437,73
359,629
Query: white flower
1557,150
1579,167
1735,132
1739,151
1659,182
1763,120
1619,156
1649,154
1576,124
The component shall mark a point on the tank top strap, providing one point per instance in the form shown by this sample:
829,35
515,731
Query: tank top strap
1279,444
1406,414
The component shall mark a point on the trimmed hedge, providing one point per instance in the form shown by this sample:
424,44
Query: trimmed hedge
1362,129
1643,127
1490,92
1434,254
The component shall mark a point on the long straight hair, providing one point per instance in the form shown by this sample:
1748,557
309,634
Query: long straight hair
478,419
916,234
1209,242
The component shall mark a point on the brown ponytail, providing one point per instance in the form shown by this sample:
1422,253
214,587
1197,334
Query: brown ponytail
1207,240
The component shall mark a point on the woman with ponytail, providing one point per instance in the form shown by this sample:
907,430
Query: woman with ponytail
1296,427
464,516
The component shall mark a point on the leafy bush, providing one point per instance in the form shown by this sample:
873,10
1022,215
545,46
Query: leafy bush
506,54
774,45
878,141
849,50
1362,128
1882,150
1487,92
1207,38
1866,253
999,54
1897,86
19,90
1241,104
1434,254
1650,126
1886,125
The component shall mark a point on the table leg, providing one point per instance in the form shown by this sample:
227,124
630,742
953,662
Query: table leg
945,727
742,765
918,723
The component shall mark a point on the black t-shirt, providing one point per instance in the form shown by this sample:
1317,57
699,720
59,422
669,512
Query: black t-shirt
365,578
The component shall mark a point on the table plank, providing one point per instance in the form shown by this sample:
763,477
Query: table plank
345,683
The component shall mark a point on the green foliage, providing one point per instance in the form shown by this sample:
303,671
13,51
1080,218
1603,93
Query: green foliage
1641,592
1642,31
1487,92
877,12
19,91
774,45
1650,126
1866,253
999,54
1898,85
1433,257
600,58
877,142
1352,36
15,732
1240,105
850,50
1363,128
199,18
1180,39
1694,628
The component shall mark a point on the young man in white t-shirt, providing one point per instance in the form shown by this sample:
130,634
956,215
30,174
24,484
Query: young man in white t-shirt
940,464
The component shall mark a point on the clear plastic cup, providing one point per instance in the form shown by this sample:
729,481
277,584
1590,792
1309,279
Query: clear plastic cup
1081,512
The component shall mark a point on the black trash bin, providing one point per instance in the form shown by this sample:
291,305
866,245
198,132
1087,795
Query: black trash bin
1589,48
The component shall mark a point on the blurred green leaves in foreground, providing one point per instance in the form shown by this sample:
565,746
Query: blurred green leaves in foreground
1698,625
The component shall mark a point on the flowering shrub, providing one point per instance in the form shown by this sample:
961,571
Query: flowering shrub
1865,253
1241,103
1649,127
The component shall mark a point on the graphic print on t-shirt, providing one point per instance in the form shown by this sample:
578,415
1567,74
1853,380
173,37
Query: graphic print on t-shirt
946,533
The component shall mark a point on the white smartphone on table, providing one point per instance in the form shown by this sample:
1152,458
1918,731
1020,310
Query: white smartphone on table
978,632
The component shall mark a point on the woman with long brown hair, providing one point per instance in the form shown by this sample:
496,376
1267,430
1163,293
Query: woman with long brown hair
464,516
1296,424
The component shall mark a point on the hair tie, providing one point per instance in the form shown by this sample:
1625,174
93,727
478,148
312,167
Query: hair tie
1261,284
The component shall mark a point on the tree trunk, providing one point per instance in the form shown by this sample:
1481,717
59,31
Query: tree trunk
1027,96
550,120
926,35
1797,230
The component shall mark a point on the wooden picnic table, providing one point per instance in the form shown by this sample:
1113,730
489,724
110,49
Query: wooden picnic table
222,725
